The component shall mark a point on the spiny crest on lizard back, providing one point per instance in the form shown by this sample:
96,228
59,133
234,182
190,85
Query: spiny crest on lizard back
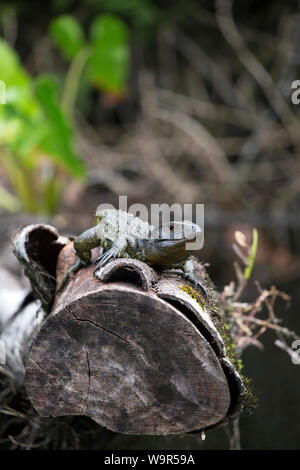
121,234
113,222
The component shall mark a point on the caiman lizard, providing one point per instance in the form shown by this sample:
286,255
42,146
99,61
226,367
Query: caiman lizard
122,235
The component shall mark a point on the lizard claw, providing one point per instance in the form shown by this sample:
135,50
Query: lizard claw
105,258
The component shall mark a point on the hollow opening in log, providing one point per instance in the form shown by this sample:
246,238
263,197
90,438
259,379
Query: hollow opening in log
41,247
125,274
232,383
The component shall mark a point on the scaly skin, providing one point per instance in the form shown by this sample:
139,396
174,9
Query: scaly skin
121,235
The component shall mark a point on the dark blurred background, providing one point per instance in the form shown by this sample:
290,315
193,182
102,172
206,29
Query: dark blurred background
165,101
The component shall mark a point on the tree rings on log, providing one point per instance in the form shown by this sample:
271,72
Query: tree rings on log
133,351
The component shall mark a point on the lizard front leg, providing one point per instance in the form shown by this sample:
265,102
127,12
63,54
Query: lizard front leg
83,246
189,274
117,250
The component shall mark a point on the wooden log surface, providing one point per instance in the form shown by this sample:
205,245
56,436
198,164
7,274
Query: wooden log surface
128,352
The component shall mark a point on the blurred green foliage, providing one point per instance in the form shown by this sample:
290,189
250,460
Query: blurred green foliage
37,132
109,60
107,54
68,35
37,136
143,14
36,141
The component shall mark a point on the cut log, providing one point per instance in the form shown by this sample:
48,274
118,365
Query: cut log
134,351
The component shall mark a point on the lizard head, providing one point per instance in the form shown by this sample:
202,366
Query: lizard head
166,245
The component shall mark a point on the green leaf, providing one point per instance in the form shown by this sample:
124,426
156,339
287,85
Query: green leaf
10,128
21,134
16,80
251,259
58,141
8,201
67,34
11,71
21,180
110,55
